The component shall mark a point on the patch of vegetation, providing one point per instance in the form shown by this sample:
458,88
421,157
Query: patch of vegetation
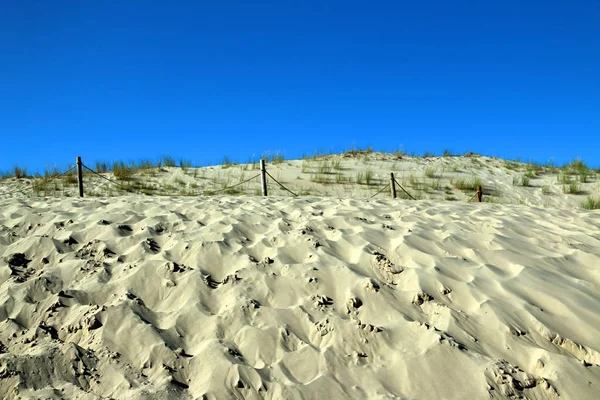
572,188
412,180
324,167
533,169
469,184
360,177
430,172
146,165
492,200
71,178
399,153
564,178
227,162
317,155
50,172
320,178
185,164
19,172
340,178
167,161
122,171
306,166
250,164
353,151
578,166
277,158
523,180
369,174
591,203
546,190
101,167
512,165
336,164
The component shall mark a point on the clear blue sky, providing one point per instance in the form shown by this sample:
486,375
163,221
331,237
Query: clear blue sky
199,80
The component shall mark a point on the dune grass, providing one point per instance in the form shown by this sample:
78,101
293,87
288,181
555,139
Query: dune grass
167,161
369,176
324,167
467,184
19,172
185,164
430,172
320,178
572,188
591,203
523,180
101,167
336,164
123,171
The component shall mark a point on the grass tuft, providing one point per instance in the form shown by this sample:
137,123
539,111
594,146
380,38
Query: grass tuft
572,188
523,180
360,177
578,166
369,174
101,167
122,171
168,161
430,172
277,158
19,172
185,164
591,203
336,164
466,184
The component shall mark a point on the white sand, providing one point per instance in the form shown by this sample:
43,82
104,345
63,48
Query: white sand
340,176
307,298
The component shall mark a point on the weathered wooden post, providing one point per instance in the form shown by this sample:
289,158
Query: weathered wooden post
479,193
263,177
393,185
80,176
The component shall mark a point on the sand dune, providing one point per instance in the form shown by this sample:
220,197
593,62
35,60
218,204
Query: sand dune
360,175
225,297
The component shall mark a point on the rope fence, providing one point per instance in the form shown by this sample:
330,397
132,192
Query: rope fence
393,183
233,186
45,180
105,178
283,187
382,189
404,190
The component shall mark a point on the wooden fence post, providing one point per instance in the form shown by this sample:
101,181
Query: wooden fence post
263,177
80,176
479,193
393,185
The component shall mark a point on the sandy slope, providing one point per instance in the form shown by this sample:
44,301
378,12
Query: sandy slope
431,178
229,297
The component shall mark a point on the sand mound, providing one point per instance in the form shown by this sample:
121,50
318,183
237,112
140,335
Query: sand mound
297,298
